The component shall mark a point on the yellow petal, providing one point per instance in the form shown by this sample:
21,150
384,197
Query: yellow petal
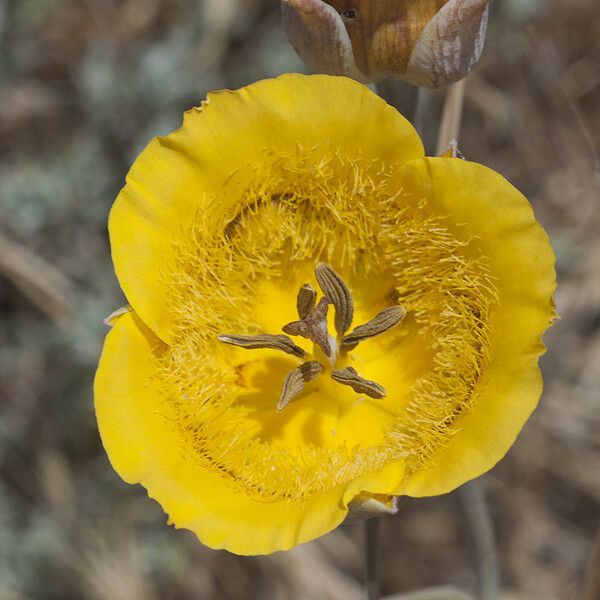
144,446
481,204
212,159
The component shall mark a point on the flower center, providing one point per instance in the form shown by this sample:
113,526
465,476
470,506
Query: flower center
329,352
240,271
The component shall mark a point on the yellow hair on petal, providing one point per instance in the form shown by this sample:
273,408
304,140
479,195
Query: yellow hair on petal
301,209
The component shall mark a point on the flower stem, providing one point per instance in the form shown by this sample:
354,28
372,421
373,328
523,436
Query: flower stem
435,593
591,582
451,116
398,94
482,539
371,557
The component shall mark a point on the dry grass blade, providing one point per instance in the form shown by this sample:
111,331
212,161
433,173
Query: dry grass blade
40,281
384,321
263,340
436,593
337,291
350,377
591,583
306,300
482,539
295,380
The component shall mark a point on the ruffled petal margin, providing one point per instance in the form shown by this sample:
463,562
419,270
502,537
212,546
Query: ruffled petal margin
482,205
145,448
215,156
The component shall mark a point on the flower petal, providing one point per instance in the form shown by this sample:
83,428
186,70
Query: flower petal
144,447
450,45
483,206
317,33
215,155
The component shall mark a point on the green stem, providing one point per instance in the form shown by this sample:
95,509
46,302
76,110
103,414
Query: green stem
371,557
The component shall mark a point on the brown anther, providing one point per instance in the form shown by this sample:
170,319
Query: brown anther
350,377
339,295
295,380
306,300
313,326
263,340
384,321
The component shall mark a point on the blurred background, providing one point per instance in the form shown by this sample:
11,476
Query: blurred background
84,85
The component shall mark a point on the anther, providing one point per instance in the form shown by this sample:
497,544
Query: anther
313,326
350,377
263,340
339,295
384,321
295,380
306,300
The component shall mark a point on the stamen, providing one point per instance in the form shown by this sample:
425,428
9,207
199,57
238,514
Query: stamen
313,327
295,380
384,321
306,300
263,340
350,377
339,295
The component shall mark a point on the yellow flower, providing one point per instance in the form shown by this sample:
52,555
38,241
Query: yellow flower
425,42
438,282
